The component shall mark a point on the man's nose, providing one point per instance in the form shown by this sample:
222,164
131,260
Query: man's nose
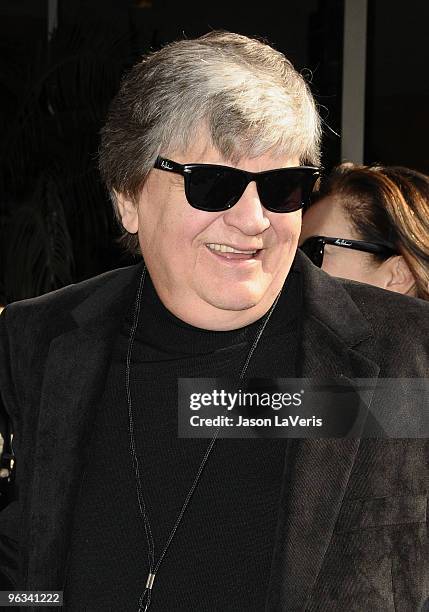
248,215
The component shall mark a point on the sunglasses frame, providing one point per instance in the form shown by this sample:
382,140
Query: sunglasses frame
161,163
376,248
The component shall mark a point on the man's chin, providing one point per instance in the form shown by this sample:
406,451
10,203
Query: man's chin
235,301
235,307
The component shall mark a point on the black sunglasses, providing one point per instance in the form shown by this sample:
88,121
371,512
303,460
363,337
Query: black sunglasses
314,247
213,188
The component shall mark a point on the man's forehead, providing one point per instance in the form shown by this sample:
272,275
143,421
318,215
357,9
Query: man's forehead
200,151
205,152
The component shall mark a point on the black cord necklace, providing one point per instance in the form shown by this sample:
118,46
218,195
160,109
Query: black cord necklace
145,598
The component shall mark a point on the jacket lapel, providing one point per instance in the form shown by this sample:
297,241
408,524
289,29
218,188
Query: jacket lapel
317,470
77,365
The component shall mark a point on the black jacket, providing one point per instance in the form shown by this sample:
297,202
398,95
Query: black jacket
352,531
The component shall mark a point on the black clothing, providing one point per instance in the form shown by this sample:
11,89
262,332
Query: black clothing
352,529
221,555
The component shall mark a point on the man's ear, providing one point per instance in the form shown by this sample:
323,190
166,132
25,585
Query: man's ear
128,212
399,277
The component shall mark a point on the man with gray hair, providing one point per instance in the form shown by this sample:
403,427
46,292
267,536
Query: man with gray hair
209,151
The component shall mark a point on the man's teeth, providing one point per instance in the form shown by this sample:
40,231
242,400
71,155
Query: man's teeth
223,248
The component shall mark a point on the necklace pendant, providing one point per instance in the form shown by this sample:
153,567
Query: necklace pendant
150,580
144,602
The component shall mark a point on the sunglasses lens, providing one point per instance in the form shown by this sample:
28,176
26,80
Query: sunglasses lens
314,249
285,190
213,189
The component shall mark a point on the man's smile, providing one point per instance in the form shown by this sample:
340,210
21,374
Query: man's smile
224,248
231,253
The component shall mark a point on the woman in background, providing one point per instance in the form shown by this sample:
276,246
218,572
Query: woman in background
371,224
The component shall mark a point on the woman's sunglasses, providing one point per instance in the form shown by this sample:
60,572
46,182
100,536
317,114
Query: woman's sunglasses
213,188
314,247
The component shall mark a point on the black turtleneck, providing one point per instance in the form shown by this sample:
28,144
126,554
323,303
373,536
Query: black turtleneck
220,557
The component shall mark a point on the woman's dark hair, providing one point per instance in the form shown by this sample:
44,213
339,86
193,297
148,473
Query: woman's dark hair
388,205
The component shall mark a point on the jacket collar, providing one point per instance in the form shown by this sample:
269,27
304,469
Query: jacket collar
316,471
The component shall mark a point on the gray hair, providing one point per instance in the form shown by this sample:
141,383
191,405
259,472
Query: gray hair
247,96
